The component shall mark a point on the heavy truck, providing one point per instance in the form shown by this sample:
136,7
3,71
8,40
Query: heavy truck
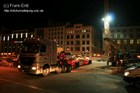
39,56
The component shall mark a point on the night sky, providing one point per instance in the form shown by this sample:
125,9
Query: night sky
90,12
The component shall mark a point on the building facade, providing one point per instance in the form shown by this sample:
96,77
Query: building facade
11,43
127,38
76,38
80,39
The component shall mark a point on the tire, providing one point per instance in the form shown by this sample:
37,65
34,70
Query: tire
69,68
64,68
137,83
58,69
77,64
90,61
46,72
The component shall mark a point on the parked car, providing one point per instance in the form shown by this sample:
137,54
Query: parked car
132,75
83,60
71,60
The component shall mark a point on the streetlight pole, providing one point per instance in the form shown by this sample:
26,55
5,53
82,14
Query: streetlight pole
106,32
106,35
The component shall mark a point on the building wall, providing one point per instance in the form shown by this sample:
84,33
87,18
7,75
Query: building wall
76,38
12,42
56,33
127,38
80,39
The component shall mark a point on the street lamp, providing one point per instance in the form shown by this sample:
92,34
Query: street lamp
107,19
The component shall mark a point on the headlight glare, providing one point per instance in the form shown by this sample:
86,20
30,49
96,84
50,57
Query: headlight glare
126,73
34,68
18,66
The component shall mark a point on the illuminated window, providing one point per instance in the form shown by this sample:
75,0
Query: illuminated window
125,41
3,38
131,41
8,38
84,30
138,41
16,35
21,35
26,35
12,36
32,36
118,41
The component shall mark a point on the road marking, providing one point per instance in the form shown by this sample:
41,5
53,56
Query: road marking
27,85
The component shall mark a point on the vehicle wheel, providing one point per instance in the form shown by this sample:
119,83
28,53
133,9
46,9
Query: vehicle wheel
77,64
46,72
69,68
90,61
137,83
64,68
59,69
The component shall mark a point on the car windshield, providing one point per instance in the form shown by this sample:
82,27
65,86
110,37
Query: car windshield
30,48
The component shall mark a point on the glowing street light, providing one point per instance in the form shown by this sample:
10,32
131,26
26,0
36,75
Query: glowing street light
107,19
106,34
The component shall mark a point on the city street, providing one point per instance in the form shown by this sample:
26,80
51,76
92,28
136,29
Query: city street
93,78
80,46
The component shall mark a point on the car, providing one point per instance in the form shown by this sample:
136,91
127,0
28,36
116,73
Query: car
131,62
132,75
71,60
83,60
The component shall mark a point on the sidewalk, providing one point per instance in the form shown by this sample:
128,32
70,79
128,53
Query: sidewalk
95,66
101,66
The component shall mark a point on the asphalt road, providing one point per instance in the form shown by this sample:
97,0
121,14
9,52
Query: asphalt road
93,78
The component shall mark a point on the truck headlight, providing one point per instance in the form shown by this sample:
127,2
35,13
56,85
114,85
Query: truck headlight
126,73
34,68
18,66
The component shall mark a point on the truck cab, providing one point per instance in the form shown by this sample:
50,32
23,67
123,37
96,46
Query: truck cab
39,56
